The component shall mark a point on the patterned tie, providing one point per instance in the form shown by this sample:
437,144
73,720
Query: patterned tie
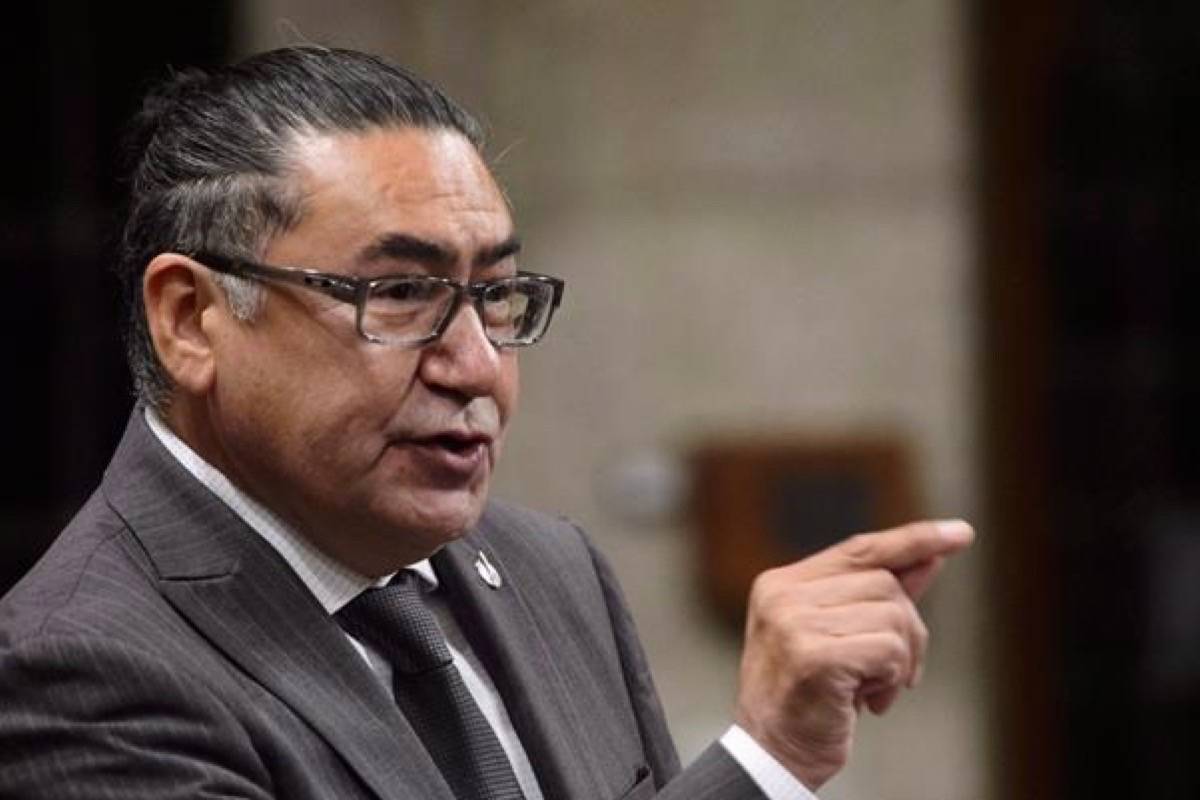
429,690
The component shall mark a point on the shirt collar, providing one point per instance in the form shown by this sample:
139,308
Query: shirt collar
332,583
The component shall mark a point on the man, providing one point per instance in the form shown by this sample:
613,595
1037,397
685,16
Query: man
291,582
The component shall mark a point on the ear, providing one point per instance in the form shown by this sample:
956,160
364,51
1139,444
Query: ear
177,296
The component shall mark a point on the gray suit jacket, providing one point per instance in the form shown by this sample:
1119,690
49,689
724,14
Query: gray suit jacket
161,649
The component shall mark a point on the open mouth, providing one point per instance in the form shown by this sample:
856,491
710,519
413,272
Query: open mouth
455,443
454,457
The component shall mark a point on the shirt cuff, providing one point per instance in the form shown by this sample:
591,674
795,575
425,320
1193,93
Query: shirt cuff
772,777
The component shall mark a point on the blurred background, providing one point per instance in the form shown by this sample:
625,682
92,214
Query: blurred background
829,264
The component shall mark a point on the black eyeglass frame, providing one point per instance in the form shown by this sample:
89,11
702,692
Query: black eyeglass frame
355,291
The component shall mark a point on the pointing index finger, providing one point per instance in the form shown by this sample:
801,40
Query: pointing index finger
898,549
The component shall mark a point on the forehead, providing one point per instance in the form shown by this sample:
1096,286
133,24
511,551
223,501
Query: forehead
357,187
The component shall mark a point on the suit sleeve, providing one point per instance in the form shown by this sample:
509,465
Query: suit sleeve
714,775
83,717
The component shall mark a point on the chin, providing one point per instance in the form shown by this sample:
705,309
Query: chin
438,518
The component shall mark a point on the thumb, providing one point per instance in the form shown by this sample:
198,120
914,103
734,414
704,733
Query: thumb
917,579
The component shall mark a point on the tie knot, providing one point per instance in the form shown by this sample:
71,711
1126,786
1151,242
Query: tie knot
395,621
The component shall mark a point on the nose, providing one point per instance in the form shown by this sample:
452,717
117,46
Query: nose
462,360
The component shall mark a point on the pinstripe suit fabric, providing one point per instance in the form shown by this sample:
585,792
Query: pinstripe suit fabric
161,649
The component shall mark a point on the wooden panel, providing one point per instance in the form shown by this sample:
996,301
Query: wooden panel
759,504
1016,47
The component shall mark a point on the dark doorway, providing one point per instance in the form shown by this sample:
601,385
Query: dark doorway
75,73
1090,203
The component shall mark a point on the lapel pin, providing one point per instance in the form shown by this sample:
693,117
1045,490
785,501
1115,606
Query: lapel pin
487,571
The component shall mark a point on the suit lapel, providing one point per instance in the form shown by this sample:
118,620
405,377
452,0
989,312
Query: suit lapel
284,639
241,595
506,637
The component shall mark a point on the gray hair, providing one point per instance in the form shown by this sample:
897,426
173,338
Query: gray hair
210,164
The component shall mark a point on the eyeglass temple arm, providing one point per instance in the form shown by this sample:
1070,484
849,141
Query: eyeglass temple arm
340,288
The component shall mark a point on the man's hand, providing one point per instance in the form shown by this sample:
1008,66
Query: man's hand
834,632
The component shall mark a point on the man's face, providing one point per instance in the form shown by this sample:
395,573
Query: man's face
378,454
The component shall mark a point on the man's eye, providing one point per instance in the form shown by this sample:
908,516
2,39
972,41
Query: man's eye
497,293
504,305
406,292
398,291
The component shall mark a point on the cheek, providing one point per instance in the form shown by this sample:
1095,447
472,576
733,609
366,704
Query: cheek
508,388
320,415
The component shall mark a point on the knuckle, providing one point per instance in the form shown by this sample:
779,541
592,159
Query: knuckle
872,584
890,673
773,602
768,578
886,584
896,647
922,633
765,588
859,548
899,617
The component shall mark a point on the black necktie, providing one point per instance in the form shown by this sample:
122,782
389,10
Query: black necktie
429,690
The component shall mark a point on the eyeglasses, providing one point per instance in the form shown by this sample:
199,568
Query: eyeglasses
414,310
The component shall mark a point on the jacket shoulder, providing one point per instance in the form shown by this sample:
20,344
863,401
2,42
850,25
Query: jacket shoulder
92,569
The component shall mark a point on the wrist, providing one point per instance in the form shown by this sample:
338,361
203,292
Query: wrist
813,761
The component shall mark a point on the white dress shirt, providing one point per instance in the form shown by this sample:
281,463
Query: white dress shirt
334,585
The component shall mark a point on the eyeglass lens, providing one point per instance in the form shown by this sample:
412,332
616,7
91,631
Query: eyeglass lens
514,311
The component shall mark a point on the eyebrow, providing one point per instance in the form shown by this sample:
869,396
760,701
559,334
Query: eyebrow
498,252
406,247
